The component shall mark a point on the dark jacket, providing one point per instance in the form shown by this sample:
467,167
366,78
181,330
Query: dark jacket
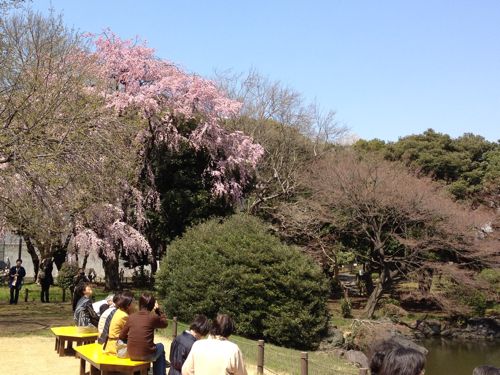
45,274
179,351
21,272
84,315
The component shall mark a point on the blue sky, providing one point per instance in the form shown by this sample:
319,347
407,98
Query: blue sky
388,68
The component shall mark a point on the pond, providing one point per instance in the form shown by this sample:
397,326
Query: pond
459,357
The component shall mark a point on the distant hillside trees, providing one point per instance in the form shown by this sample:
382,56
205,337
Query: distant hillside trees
469,165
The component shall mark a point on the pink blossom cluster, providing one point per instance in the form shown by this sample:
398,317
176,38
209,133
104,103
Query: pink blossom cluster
107,235
159,90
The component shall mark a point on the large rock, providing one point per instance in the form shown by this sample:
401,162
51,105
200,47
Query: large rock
357,357
369,333
409,344
430,328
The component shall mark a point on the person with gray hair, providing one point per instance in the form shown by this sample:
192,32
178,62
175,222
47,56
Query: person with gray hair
486,370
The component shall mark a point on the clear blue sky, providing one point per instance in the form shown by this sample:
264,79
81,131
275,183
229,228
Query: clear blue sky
389,68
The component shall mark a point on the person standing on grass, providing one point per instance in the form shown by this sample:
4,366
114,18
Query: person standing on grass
139,333
16,278
181,346
45,278
124,307
84,314
216,355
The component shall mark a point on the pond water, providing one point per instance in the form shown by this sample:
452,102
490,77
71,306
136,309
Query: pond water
452,357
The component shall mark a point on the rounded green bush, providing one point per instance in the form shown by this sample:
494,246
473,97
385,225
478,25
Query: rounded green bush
236,266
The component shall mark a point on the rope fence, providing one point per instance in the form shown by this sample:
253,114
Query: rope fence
283,361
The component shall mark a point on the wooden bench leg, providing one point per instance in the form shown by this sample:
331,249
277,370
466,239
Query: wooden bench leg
56,348
61,347
82,366
94,371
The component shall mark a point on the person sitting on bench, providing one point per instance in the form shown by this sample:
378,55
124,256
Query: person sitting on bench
124,307
85,316
139,332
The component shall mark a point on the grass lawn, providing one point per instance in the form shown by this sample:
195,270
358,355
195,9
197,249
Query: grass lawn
31,320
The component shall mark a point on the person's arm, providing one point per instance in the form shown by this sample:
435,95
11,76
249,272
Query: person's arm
12,271
159,318
124,332
237,364
22,272
188,366
93,317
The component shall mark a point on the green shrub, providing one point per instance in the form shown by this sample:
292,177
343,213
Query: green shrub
346,308
235,266
492,276
66,275
141,277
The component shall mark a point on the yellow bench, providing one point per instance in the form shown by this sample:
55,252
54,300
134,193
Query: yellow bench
71,334
101,363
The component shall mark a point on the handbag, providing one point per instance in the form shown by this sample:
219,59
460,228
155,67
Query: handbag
121,349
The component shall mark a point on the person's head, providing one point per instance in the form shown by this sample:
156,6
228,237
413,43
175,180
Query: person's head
378,353
87,290
200,325
82,289
81,271
486,370
147,302
125,300
110,299
403,361
116,297
223,326
19,262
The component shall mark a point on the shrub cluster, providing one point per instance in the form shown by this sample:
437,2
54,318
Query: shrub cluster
235,266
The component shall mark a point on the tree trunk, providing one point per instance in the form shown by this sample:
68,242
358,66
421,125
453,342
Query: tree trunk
34,256
111,274
371,304
85,259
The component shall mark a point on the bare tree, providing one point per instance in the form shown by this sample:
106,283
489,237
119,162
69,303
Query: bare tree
395,223
291,131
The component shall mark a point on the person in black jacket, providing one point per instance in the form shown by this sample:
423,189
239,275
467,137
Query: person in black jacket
182,344
45,278
16,277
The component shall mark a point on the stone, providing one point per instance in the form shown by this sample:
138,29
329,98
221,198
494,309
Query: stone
357,357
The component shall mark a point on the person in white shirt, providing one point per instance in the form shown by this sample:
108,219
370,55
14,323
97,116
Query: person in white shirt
111,300
216,355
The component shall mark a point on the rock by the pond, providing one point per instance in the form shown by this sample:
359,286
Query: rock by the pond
473,329
430,328
357,357
404,342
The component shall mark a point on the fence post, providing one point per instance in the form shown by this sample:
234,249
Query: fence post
174,327
363,371
64,295
304,363
26,292
260,357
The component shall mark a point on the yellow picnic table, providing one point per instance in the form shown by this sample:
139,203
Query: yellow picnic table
72,334
101,363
